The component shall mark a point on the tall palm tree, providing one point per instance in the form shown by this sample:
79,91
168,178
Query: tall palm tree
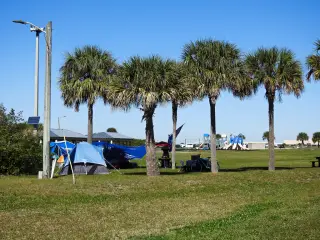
215,66
83,77
142,82
279,72
180,95
313,62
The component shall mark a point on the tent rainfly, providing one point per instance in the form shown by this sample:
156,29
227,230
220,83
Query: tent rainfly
85,159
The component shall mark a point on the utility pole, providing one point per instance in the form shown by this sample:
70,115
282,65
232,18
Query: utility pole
47,104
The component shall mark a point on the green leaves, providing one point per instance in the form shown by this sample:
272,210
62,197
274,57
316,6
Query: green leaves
20,151
313,63
85,74
316,137
141,82
277,70
215,66
302,137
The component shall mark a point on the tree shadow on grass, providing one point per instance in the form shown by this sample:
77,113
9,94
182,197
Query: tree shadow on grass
244,169
145,173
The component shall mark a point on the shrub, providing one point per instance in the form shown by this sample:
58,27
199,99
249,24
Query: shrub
20,151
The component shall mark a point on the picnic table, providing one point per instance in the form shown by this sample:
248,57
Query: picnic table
197,164
314,162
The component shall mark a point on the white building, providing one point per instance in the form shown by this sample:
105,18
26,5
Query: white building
256,145
295,142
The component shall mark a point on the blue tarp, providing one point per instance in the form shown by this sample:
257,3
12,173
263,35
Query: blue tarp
59,148
86,153
127,152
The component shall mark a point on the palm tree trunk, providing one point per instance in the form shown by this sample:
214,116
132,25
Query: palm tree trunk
90,126
212,102
151,160
174,120
271,134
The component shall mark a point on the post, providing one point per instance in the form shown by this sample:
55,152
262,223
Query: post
47,103
58,123
36,78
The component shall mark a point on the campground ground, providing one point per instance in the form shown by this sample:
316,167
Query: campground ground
243,201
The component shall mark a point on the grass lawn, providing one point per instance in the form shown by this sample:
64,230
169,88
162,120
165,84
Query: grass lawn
243,201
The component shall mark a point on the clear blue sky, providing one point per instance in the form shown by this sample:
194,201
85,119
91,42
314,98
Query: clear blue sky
147,27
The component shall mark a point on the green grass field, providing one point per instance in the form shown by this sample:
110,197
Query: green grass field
243,201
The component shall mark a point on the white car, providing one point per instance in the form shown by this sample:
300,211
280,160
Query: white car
189,145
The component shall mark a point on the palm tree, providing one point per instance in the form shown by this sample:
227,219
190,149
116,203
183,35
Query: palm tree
265,136
313,63
215,66
302,137
83,77
316,138
242,136
180,95
142,82
279,72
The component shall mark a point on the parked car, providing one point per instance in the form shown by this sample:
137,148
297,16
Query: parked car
189,145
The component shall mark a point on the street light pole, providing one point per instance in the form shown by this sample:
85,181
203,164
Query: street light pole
59,121
47,93
36,77
47,104
38,30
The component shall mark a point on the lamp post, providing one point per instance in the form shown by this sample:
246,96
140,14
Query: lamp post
47,92
37,30
59,121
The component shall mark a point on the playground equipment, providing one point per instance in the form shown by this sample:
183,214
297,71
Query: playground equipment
235,143
206,142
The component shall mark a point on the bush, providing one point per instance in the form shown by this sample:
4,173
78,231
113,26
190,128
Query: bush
20,151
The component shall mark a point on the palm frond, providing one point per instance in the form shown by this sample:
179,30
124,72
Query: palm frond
215,66
277,70
84,75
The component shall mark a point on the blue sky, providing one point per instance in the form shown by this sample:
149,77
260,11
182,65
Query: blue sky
143,28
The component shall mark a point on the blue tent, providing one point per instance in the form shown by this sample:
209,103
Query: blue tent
127,152
60,148
85,159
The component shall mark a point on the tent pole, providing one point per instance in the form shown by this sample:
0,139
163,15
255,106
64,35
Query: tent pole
73,178
112,165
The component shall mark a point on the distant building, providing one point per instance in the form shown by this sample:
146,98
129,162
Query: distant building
295,142
256,145
116,138
58,135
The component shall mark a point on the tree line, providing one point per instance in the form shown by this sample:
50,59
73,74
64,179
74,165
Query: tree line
206,68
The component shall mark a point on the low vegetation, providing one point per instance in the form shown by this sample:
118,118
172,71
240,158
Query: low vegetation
20,150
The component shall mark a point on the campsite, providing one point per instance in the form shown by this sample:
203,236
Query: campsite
160,120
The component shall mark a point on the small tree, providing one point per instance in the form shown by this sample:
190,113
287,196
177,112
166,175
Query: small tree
316,138
242,136
302,137
218,136
265,136
112,129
